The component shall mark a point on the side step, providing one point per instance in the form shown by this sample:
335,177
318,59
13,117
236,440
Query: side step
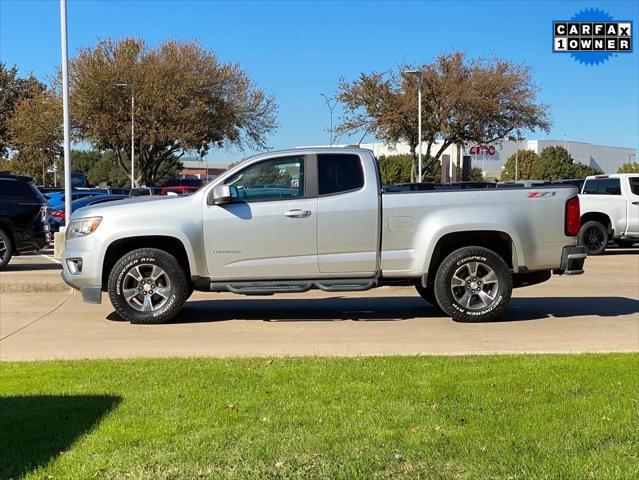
269,287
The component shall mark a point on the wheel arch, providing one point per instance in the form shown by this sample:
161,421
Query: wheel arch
121,247
600,217
498,241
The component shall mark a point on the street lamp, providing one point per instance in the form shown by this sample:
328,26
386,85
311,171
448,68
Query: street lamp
65,111
331,107
418,76
130,85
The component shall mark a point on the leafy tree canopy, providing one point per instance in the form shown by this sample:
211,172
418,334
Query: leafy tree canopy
464,101
524,159
12,90
630,167
554,163
185,100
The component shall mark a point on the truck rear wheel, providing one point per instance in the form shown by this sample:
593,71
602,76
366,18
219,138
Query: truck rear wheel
147,286
473,284
594,236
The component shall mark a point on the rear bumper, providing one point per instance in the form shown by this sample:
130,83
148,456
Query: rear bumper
572,260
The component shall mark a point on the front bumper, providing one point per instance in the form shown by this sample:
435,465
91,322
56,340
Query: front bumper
572,260
82,268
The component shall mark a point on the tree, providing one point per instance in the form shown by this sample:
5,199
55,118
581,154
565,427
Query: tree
463,102
554,163
185,100
582,171
630,167
476,175
106,169
525,159
35,131
395,168
12,90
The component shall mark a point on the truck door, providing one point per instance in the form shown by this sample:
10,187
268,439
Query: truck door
633,207
270,230
348,215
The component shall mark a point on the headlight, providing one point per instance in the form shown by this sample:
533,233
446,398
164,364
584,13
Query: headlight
82,227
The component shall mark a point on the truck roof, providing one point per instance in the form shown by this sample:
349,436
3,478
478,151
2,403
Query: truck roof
612,175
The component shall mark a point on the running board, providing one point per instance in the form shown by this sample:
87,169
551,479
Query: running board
295,286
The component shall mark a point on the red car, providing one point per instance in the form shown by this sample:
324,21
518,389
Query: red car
178,190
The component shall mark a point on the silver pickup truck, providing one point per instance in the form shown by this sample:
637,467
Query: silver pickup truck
302,219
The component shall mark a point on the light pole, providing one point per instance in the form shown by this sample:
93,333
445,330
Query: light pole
65,111
130,85
331,107
418,76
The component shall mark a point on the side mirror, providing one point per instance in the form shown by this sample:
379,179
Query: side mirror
220,195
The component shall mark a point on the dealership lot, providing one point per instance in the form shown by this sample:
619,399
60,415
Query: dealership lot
595,312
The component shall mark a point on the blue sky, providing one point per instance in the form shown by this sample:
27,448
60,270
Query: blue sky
297,50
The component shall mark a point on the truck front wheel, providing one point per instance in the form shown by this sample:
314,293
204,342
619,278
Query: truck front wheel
147,286
473,284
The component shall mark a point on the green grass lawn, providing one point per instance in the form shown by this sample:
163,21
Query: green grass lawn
520,417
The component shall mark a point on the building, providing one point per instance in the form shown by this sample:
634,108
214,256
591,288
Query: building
492,157
201,169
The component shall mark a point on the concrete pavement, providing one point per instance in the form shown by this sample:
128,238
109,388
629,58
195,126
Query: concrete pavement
595,312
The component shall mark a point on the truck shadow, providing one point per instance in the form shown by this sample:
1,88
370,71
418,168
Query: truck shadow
37,428
389,309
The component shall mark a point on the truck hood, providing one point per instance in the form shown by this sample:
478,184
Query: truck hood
140,206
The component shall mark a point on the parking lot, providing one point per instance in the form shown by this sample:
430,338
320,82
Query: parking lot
597,312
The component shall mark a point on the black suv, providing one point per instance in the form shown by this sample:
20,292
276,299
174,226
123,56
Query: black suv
23,217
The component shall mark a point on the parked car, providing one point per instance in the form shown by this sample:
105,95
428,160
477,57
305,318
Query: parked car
23,217
178,190
56,199
145,191
45,190
56,216
464,250
610,211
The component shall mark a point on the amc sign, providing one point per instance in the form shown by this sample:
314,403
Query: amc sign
482,150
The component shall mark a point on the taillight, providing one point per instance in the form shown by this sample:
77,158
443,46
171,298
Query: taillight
57,213
573,217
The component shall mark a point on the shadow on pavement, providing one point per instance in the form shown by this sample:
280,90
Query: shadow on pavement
388,309
25,267
36,429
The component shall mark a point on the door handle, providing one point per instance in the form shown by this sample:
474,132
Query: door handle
297,213
635,203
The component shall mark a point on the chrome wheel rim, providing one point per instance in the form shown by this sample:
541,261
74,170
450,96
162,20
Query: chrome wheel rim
3,250
474,285
594,238
146,287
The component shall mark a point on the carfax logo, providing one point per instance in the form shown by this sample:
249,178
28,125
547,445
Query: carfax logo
592,36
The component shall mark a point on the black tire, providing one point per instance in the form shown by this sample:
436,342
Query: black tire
172,282
594,236
428,294
496,286
6,249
